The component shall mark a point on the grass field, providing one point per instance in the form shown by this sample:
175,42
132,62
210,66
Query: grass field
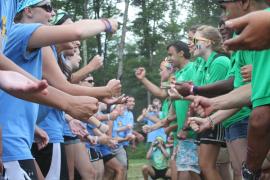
136,161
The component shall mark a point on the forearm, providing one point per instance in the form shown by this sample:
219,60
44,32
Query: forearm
157,125
79,75
148,155
164,152
222,115
236,99
216,89
155,90
171,128
154,119
140,118
124,128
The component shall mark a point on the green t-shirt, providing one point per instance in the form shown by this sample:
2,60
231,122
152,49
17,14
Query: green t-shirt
260,77
215,69
198,67
181,106
158,160
241,59
165,111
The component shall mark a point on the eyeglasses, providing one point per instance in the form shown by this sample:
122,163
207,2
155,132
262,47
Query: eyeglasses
197,39
47,7
90,81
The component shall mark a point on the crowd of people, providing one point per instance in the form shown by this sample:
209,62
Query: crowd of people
213,121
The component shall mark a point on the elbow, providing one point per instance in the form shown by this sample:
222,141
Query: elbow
78,34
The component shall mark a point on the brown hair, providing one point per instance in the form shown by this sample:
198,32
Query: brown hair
212,33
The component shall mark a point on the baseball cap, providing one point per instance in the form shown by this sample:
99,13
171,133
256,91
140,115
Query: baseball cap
26,3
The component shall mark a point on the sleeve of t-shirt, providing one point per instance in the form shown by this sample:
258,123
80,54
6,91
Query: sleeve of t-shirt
24,33
219,69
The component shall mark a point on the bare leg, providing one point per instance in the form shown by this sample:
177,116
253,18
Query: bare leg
39,173
147,170
258,137
69,149
207,160
117,168
82,162
99,167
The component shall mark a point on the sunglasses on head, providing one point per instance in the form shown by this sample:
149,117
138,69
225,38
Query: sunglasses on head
47,7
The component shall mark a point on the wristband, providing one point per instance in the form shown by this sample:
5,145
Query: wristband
109,117
195,90
99,125
212,124
108,26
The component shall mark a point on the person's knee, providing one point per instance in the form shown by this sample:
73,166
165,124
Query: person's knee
145,168
206,166
260,118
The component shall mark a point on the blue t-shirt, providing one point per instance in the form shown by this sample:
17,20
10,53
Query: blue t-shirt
18,117
158,132
129,119
7,13
53,124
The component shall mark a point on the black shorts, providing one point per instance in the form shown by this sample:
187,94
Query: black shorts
28,166
216,136
107,158
94,155
44,159
160,174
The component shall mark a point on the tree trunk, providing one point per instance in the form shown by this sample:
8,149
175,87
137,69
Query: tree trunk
84,43
122,42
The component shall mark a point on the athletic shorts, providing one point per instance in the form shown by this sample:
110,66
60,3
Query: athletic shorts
107,158
121,155
52,161
71,140
94,155
20,170
160,174
187,156
215,136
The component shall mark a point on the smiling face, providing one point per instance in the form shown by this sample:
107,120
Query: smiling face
201,44
40,13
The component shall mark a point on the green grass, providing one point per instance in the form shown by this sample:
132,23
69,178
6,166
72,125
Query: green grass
136,160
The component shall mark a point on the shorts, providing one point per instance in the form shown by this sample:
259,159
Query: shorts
107,158
187,156
160,173
20,170
71,140
237,130
215,136
121,155
94,155
51,160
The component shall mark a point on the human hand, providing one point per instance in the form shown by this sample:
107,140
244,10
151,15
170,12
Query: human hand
140,73
41,138
246,72
14,82
114,86
183,88
96,62
77,128
201,105
146,129
199,124
254,31
81,107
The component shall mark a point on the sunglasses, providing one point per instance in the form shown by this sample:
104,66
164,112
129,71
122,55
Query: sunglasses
195,40
90,81
47,7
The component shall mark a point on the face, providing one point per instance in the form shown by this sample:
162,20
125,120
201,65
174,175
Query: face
175,57
89,82
157,104
201,45
75,59
190,42
225,32
121,109
130,103
231,10
42,14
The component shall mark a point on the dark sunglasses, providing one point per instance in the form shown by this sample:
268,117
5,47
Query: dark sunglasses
47,7
90,81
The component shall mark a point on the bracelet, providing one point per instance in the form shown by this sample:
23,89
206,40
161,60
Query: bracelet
109,117
108,26
212,124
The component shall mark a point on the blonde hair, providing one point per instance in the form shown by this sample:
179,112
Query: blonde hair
212,33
